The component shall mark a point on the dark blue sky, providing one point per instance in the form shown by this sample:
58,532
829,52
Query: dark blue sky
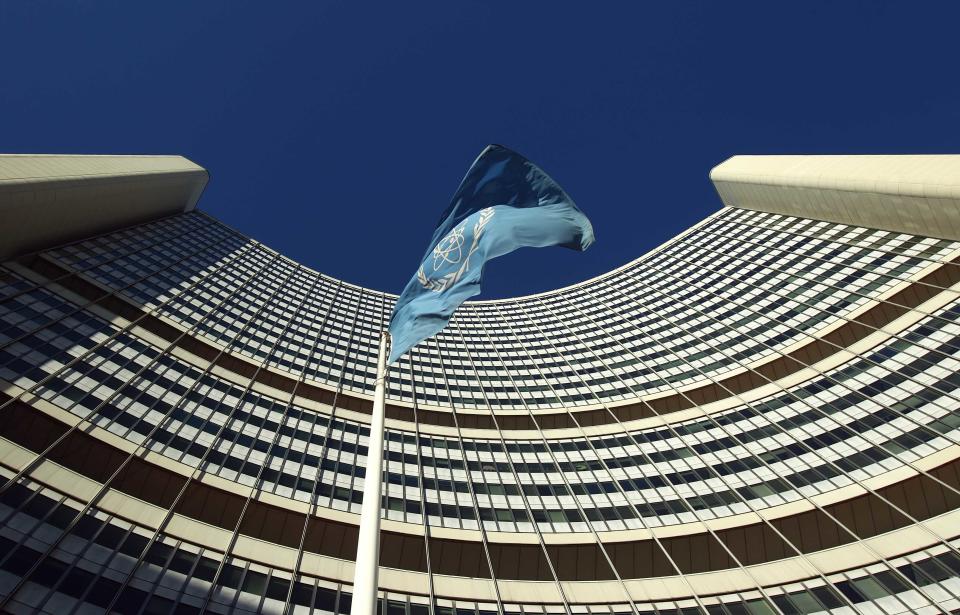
336,132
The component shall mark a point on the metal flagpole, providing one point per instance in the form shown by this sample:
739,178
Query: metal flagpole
368,546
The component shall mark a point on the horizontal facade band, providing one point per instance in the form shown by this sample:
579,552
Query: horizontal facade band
753,543
794,361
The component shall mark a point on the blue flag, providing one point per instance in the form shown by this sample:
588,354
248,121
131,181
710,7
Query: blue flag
504,202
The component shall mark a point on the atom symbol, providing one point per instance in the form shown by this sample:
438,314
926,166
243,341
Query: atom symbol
450,249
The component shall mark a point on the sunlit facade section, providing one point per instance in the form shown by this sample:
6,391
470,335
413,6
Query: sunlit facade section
758,416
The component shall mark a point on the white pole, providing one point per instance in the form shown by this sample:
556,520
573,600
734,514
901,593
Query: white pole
368,546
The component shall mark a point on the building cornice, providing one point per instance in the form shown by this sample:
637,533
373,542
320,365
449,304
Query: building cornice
915,194
50,199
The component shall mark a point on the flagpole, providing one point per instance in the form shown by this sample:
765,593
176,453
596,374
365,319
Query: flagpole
368,546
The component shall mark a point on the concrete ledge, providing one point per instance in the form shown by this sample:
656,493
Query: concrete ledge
916,194
46,200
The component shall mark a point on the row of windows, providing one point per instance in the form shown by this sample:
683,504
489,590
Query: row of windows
105,562
654,320
734,290
245,446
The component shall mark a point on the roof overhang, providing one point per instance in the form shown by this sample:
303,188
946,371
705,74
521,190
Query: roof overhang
916,194
50,199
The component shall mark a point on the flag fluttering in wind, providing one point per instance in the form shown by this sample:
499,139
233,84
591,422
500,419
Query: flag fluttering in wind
504,202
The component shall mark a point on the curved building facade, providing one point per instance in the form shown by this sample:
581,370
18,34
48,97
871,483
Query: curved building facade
758,416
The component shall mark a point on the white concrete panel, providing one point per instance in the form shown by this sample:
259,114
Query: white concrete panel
917,194
48,199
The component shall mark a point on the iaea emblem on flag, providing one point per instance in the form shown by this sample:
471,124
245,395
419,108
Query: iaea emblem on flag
451,258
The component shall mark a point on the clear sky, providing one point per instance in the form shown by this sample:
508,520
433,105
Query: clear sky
336,132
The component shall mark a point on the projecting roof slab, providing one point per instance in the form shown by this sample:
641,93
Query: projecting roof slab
48,199
916,194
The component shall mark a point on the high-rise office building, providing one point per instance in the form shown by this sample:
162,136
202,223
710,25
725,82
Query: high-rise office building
758,416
